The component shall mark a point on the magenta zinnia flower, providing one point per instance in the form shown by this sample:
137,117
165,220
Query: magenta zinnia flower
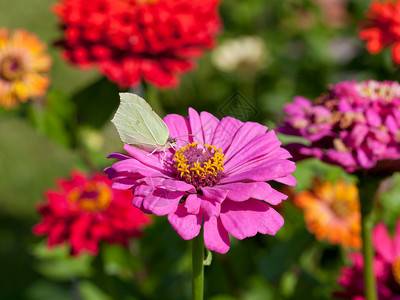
355,125
217,178
84,211
386,268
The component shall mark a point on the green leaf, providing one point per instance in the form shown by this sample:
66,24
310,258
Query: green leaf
55,118
89,291
58,264
48,290
96,104
119,261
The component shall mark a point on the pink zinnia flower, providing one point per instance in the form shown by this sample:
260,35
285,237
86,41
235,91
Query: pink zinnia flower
355,125
85,211
386,268
216,179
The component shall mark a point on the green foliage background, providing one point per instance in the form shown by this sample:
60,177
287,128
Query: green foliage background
41,143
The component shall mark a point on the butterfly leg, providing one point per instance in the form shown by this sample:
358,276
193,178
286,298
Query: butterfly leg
152,152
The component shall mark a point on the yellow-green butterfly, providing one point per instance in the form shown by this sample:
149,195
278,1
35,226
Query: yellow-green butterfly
139,126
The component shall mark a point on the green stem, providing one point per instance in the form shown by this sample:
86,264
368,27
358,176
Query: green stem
367,189
198,267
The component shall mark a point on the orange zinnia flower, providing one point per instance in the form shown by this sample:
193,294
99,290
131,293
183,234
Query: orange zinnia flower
23,67
332,212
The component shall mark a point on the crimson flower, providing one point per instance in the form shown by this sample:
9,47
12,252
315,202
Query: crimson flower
386,268
216,179
85,211
129,40
382,28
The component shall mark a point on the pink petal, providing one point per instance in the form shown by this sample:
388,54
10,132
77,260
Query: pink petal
186,225
239,191
210,207
209,124
138,203
216,238
154,160
266,193
215,194
120,156
225,132
253,153
396,240
178,127
271,170
383,243
288,180
158,201
196,126
133,166
124,184
192,204
244,219
365,161
169,184
247,132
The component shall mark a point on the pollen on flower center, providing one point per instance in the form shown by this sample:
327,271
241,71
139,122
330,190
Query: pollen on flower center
94,196
375,90
345,206
11,68
199,166
396,270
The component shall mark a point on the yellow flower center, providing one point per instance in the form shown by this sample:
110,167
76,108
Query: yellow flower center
199,166
11,68
346,200
95,196
396,270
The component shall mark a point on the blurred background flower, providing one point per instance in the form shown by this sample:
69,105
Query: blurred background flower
85,211
334,13
244,55
133,40
386,268
332,212
24,67
381,28
355,125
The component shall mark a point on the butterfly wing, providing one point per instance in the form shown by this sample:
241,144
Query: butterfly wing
138,125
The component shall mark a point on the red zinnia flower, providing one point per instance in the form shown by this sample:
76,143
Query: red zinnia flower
129,40
85,211
382,28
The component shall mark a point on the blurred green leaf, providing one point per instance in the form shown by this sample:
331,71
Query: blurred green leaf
54,118
283,255
96,103
58,264
43,290
119,261
89,291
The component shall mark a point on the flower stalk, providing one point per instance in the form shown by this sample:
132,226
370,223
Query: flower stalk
367,189
198,267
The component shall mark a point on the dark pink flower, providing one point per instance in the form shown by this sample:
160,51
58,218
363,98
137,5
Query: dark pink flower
216,179
355,125
386,267
85,211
